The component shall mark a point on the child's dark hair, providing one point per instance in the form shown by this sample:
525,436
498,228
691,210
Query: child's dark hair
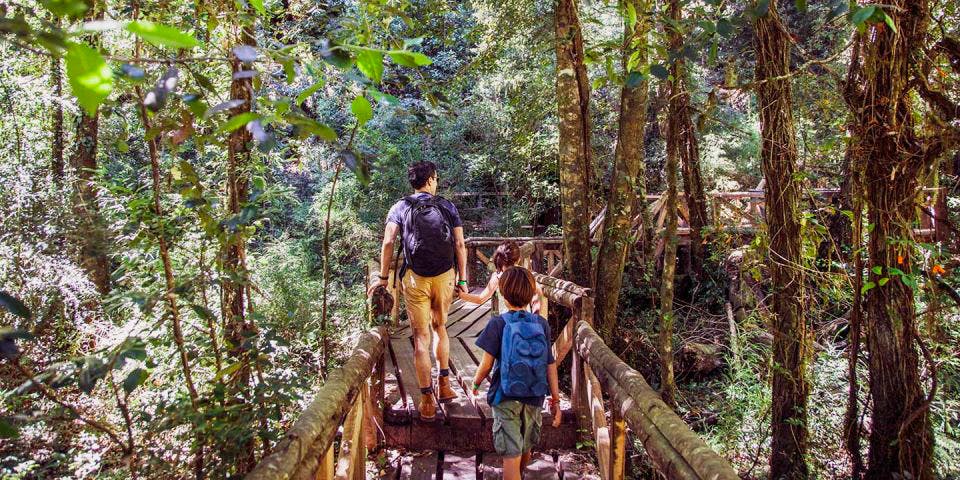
517,286
420,172
506,256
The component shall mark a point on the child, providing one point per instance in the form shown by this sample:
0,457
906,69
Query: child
519,342
506,256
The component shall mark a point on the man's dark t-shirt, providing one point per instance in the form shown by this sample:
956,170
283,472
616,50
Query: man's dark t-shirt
490,340
399,211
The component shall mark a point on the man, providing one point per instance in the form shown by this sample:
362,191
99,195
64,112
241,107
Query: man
432,235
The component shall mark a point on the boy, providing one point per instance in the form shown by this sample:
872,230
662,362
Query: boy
519,342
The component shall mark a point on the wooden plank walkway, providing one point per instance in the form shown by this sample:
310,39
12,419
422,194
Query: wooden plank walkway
466,423
452,465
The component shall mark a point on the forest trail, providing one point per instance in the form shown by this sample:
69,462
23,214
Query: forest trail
368,405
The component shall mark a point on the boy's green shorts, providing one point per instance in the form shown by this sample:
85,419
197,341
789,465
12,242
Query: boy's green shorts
516,427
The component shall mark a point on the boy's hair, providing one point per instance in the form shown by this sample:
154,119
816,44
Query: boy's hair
420,172
506,256
517,286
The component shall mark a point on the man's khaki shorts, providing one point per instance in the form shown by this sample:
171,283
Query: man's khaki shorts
428,298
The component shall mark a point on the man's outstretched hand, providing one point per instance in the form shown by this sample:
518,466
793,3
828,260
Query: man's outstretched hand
375,286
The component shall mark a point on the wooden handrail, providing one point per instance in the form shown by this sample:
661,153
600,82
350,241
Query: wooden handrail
306,451
674,448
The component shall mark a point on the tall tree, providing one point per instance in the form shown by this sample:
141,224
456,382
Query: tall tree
668,385
576,158
628,187
900,437
91,232
782,192
687,149
56,144
239,329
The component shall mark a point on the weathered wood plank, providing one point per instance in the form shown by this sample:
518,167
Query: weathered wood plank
325,470
465,365
469,323
472,326
408,374
351,461
541,467
601,433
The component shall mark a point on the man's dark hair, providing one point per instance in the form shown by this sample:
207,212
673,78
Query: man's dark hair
419,173
517,286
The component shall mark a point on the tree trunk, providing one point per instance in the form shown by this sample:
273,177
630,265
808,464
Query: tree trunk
238,328
628,184
901,440
668,386
779,158
56,147
576,159
91,232
688,150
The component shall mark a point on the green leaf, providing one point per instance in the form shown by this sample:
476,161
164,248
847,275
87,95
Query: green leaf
383,97
801,5
659,71
370,64
66,8
410,59
228,370
361,109
161,35
258,6
888,20
90,77
13,305
307,92
895,271
134,379
357,165
867,287
724,27
238,121
883,281
877,269
7,430
862,14
290,71
631,14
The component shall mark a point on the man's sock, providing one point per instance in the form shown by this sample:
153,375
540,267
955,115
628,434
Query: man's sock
426,390
444,372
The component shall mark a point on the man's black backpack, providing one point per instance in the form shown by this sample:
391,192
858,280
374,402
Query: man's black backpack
428,246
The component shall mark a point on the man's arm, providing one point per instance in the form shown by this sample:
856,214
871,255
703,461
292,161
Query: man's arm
461,249
386,254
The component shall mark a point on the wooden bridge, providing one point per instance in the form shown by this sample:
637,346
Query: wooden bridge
371,401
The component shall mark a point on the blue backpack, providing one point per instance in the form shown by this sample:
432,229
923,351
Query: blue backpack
524,352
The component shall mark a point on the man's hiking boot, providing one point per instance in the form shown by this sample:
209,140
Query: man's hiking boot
428,409
445,391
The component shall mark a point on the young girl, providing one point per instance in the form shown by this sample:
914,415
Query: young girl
507,255
517,419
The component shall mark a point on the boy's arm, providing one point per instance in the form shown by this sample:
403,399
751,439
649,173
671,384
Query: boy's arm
552,379
486,364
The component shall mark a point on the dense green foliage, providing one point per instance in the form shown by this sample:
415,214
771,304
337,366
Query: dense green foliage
347,93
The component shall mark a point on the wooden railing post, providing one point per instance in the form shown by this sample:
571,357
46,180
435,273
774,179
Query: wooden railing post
352,461
618,444
325,470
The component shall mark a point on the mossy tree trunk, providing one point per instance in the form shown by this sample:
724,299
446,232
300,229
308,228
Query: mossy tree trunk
576,159
901,441
782,194
628,187
688,151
